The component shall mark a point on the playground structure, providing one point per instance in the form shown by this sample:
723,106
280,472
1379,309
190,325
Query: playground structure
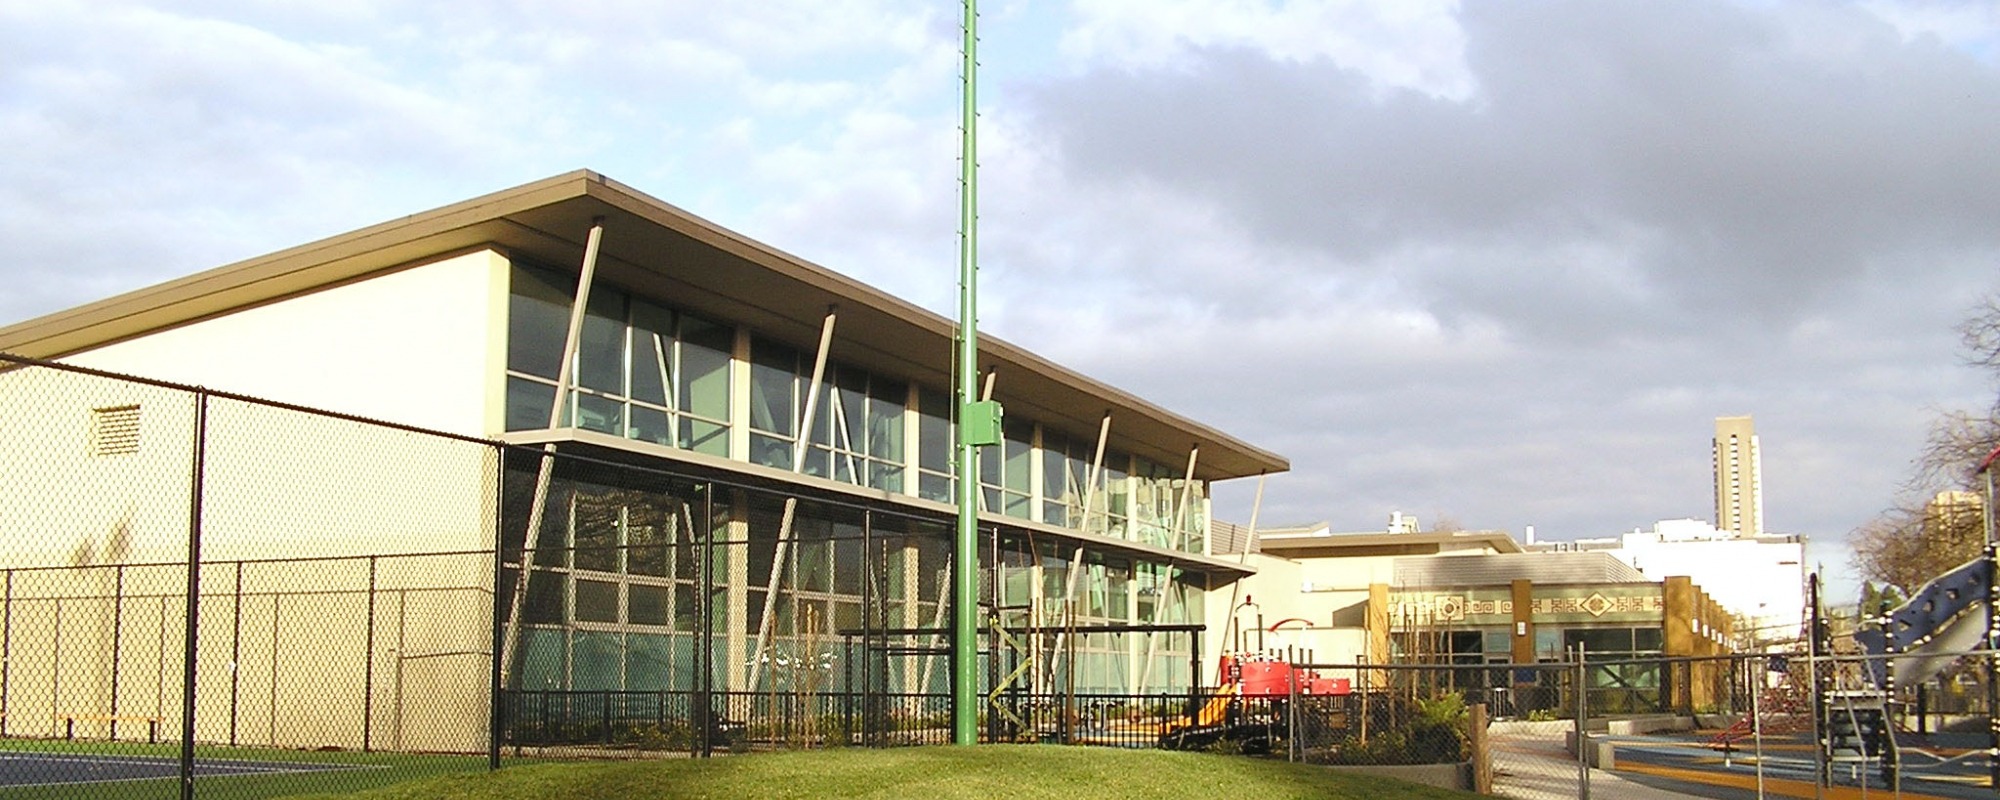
1263,693
1845,700
1857,702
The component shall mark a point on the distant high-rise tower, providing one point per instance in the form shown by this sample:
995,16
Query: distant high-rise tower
1739,481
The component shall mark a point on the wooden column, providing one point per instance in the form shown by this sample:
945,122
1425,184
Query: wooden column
1678,635
1378,634
1523,651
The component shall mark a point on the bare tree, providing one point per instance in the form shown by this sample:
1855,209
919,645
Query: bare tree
1959,440
1912,543
1908,545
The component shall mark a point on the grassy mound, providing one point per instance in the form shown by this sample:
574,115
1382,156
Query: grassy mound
974,773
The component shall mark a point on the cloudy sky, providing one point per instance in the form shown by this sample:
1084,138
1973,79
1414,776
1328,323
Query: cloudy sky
1501,263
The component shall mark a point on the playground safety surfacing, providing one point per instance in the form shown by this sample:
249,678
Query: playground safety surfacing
1934,767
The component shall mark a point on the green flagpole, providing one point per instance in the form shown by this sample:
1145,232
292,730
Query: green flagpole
978,423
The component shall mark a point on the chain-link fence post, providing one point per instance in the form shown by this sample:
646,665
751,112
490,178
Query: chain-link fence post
1292,712
1758,678
1582,726
496,697
197,468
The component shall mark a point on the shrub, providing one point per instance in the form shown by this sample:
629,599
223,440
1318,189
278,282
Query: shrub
1437,733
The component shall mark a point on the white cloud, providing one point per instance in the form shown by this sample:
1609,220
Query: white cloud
1969,25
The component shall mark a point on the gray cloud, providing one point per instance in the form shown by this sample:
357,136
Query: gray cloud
1515,304
1526,306
1632,158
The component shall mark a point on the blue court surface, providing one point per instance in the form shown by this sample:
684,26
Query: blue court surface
19,769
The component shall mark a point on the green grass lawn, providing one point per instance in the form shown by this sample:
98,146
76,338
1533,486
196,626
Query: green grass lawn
993,772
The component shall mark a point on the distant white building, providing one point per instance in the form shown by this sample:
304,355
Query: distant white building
1762,577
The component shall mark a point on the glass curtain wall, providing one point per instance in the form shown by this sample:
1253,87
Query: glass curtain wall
615,599
857,434
936,464
652,373
612,602
1629,685
618,593
643,371
1076,591
1005,477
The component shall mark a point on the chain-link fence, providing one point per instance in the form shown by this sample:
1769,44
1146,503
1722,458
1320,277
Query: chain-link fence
1763,724
207,591
210,590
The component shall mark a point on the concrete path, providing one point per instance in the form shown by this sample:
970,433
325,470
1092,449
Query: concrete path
1533,765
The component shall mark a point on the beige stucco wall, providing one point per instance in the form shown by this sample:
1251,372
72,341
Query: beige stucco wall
410,346
288,657
421,346
1336,634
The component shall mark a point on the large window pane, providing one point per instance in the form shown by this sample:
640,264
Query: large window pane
596,601
537,320
853,417
1055,484
822,427
652,352
600,414
770,452
704,352
596,536
1118,583
646,532
934,431
545,597
814,566
885,419
887,477
847,566
646,605
1019,433
704,437
528,404
600,352
773,388
650,425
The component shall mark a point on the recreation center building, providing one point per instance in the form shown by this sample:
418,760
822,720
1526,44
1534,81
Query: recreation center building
697,358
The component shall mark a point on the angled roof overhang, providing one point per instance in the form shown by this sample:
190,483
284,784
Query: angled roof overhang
658,249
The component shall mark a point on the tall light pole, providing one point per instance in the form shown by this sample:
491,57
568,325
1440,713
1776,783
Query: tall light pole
978,420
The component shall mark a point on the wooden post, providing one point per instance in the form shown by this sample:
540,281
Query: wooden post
1482,752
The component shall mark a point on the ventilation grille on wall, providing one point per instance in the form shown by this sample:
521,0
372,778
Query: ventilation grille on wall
114,431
